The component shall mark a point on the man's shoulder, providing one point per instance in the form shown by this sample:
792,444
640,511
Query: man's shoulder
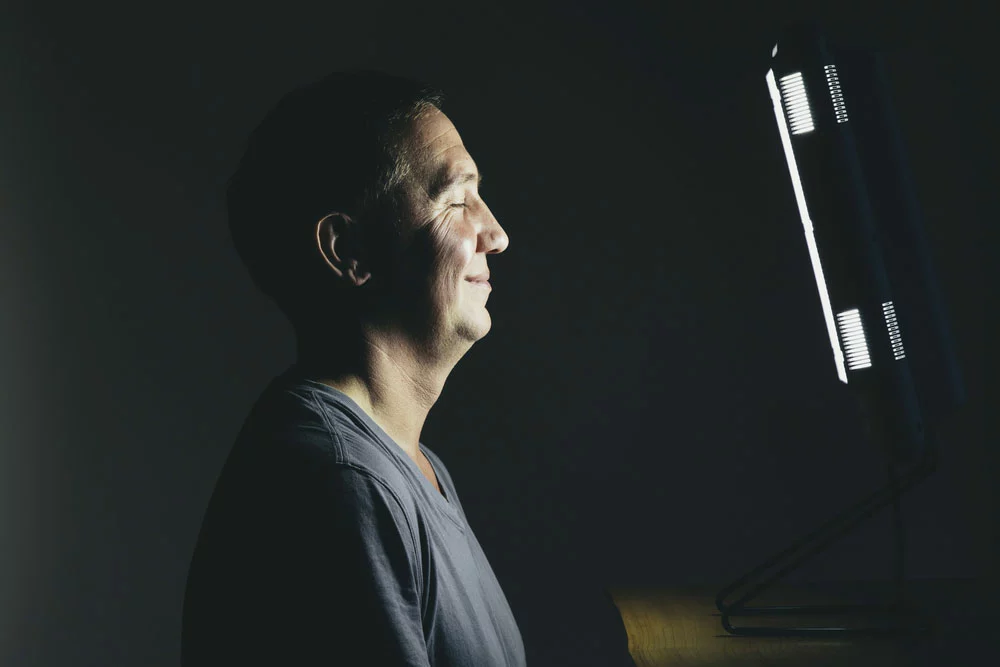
298,422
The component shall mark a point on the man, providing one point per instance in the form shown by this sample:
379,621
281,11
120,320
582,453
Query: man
334,536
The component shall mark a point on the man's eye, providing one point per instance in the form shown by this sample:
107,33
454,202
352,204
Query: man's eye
458,204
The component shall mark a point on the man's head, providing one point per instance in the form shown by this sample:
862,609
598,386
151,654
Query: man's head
339,212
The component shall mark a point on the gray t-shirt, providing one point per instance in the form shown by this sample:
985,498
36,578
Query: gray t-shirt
324,544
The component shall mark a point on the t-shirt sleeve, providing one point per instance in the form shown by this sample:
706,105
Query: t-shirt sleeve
359,582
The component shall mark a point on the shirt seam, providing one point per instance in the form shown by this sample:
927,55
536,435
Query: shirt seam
458,519
339,446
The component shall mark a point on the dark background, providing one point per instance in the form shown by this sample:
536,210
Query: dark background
656,404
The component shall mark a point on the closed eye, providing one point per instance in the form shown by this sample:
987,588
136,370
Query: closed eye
459,205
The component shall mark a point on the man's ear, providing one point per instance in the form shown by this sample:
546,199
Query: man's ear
341,244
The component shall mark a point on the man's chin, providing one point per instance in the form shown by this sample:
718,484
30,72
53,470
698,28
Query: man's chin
473,331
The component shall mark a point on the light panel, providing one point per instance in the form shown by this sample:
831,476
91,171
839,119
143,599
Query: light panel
836,93
892,325
852,333
793,93
807,226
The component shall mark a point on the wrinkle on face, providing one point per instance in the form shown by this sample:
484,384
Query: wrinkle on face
433,139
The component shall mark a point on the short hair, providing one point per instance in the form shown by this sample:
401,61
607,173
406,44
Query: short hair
337,144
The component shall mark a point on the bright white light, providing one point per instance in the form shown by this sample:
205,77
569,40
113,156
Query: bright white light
855,343
836,93
807,226
892,324
793,92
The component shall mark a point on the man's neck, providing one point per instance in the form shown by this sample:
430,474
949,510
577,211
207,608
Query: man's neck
386,379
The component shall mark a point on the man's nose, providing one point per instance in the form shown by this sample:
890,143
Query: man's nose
496,239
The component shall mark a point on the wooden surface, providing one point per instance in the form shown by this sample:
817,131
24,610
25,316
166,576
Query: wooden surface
682,626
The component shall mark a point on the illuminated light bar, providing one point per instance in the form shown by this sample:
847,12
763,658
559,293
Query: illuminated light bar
807,227
852,333
836,94
793,93
892,324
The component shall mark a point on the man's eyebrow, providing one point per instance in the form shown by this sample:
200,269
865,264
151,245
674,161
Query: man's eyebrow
442,181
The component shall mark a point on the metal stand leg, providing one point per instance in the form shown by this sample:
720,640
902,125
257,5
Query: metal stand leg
904,618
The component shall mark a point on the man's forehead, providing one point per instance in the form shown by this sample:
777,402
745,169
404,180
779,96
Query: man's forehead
434,129
441,159
450,158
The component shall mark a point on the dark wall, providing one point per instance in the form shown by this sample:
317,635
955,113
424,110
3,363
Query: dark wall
656,403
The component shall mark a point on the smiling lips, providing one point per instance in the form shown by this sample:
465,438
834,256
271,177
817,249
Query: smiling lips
482,280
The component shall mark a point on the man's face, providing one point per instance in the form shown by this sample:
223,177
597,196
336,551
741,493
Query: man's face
450,232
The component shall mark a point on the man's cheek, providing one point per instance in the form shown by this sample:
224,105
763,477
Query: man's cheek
468,250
